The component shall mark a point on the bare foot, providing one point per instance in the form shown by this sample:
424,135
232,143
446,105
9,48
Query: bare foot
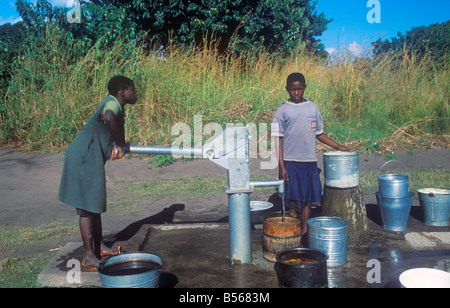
106,251
90,262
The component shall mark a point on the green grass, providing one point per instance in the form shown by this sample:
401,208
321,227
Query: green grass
49,101
22,272
419,178
19,269
12,238
135,197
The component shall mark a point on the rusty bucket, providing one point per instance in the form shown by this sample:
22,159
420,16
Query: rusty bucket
280,234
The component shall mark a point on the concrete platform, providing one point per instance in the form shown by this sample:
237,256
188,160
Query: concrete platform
197,256
65,270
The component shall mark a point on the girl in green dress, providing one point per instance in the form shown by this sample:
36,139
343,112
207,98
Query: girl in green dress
83,182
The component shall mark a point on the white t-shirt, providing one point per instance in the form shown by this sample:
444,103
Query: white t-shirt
298,124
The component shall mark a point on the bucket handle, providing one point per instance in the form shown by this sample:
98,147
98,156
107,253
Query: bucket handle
397,161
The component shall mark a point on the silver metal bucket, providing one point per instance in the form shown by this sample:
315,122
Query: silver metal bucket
341,169
395,211
435,204
131,270
393,185
329,234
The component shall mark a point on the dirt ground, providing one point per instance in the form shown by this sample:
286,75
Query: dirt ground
29,185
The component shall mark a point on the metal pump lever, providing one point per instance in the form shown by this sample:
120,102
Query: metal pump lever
230,151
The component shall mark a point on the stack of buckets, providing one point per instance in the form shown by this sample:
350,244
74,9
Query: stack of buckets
394,199
330,234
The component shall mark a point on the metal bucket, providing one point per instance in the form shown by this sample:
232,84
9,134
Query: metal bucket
341,169
329,234
301,275
436,206
395,211
131,270
258,209
393,185
425,278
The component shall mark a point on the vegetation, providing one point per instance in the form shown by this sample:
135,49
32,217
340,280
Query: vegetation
280,25
48,101
26,250
57,80
223,60
432,41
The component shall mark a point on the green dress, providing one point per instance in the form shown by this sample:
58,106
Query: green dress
83,182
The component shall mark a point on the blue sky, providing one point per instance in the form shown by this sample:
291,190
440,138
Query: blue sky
349,25
8,9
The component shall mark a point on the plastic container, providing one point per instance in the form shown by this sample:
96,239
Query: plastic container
425,278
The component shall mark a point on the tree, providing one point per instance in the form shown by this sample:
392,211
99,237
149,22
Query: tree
36,17
279,25
104,22
283,25
432,41
11,39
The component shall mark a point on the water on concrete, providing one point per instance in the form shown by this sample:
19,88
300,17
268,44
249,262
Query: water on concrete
197,256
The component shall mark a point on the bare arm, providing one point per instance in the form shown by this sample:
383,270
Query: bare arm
324,139
282,172
116,129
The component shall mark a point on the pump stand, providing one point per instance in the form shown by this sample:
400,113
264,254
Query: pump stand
229,150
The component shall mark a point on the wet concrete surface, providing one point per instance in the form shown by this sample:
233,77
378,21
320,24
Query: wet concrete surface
199,258
196,255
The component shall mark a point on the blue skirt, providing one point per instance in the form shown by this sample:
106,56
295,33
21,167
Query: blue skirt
304,182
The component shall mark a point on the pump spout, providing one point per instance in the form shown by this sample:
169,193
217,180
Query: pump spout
270,183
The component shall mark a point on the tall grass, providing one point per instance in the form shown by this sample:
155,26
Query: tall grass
49,100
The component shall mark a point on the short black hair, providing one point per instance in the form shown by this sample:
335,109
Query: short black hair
118,83
294,77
